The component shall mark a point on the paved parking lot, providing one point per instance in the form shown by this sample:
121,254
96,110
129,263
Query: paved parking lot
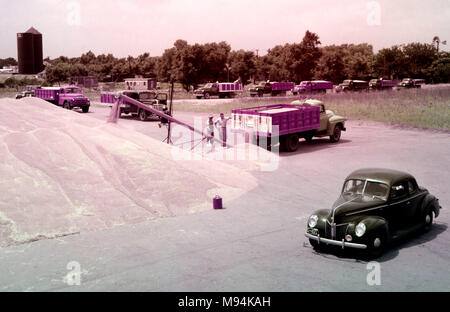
256,243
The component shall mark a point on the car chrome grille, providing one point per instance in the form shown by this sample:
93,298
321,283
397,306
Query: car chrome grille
336,231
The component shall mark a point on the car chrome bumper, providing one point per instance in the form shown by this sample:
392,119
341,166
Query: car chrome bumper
342,243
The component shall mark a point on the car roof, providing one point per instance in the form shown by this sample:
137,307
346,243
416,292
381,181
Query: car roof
388,176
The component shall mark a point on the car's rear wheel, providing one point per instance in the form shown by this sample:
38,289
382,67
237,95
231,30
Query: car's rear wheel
428,220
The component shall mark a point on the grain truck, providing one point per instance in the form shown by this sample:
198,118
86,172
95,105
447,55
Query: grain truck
382,84
156,100
288,123
220,89
317,86
411,83
68,97
353,85
272,88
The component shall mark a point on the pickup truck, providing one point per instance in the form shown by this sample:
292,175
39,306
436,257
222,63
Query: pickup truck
67,97
220,89
317,86
300,119
382,84
411,83
272,88
157,100
353,85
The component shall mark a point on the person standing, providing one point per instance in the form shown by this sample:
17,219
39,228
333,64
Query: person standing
221,124
210,131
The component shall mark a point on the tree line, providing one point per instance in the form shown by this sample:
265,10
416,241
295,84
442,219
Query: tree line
194,64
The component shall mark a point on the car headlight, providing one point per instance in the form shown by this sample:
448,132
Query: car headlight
360,229
313,221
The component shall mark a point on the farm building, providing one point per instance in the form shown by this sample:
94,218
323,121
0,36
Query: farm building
140,83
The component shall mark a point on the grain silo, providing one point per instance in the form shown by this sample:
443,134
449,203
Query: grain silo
29,52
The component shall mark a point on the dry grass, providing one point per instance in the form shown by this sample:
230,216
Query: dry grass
428,107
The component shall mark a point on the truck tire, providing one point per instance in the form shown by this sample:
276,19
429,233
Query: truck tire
85,109
336,136
207,96
66,105
291,143
143,115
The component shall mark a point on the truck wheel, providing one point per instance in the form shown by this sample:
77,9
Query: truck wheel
66,105
291,143
207,96
336,134
143,115
85,109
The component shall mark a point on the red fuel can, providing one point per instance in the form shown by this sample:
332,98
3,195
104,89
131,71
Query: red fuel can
217,202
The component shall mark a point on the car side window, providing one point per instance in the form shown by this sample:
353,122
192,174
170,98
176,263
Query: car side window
399,190
411,187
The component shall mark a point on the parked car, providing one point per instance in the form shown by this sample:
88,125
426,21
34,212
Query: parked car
375,208
24,94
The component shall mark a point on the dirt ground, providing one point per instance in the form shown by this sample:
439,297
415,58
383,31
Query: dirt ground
257,242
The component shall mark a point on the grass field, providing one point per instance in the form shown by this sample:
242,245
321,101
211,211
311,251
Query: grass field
425,108
428,107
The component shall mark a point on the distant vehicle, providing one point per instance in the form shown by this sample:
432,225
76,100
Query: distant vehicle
68,97
376,207
317,86
353,85
157,100
297,120
382,84
24,94
272,88
411,83
220,89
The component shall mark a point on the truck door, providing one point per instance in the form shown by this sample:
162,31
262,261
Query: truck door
323,119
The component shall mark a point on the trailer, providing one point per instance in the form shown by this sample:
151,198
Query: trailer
272,88
220,89
68,97
316,86
287,123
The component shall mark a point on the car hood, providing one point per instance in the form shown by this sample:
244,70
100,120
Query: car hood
346,205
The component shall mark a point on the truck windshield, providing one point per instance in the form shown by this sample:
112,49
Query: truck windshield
208,85
147,96
303,83
368,189
72,90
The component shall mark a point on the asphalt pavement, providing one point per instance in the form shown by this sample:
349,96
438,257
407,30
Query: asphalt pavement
256,243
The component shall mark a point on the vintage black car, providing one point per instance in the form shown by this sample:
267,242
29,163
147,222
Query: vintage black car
376,206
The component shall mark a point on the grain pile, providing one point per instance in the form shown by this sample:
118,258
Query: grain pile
62,172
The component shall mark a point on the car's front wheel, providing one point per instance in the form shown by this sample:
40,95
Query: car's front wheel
376,244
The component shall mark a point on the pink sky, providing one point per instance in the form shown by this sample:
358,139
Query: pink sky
133,27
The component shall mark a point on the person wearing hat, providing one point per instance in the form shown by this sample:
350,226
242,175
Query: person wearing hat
221,124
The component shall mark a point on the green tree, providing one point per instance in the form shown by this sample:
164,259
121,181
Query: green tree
439,71
242,65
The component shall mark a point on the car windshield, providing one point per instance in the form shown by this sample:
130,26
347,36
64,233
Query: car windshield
72,90
366,188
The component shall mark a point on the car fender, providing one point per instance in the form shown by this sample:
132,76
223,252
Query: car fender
333,121
323,215
375,223
430,201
